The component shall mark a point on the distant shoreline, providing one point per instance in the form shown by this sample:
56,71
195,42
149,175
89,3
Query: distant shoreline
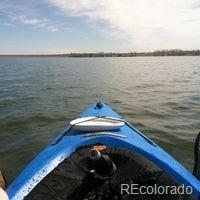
173,52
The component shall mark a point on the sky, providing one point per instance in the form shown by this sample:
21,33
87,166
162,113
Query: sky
64,26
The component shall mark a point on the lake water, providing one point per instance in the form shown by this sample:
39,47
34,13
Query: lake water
39,96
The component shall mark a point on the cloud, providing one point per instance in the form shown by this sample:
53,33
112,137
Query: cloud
36,21
12,13
8,24
141,24
31,21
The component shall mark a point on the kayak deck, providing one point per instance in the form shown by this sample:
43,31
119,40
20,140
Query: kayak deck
70,141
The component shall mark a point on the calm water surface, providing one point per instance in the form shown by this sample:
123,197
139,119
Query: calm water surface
39,96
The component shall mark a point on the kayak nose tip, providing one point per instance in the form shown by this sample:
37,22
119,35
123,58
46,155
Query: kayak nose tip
99,105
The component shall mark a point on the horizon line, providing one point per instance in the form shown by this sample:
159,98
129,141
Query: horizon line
131,53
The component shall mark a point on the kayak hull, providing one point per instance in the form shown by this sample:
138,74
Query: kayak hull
67,142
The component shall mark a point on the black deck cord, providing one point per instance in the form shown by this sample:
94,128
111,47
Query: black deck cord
196,170
105,117
70,128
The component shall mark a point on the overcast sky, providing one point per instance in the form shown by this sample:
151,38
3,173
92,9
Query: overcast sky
63,26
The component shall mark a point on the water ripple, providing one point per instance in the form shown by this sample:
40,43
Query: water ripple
160,96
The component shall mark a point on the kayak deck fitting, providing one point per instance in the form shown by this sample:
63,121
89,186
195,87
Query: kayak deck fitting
60,168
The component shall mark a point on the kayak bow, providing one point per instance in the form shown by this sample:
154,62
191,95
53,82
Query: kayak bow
70,140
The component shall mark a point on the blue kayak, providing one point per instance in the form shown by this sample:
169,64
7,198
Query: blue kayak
62,166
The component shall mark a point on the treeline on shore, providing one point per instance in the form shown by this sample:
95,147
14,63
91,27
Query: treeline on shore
170,52
173,52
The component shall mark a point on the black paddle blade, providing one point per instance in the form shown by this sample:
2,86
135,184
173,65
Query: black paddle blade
196,170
